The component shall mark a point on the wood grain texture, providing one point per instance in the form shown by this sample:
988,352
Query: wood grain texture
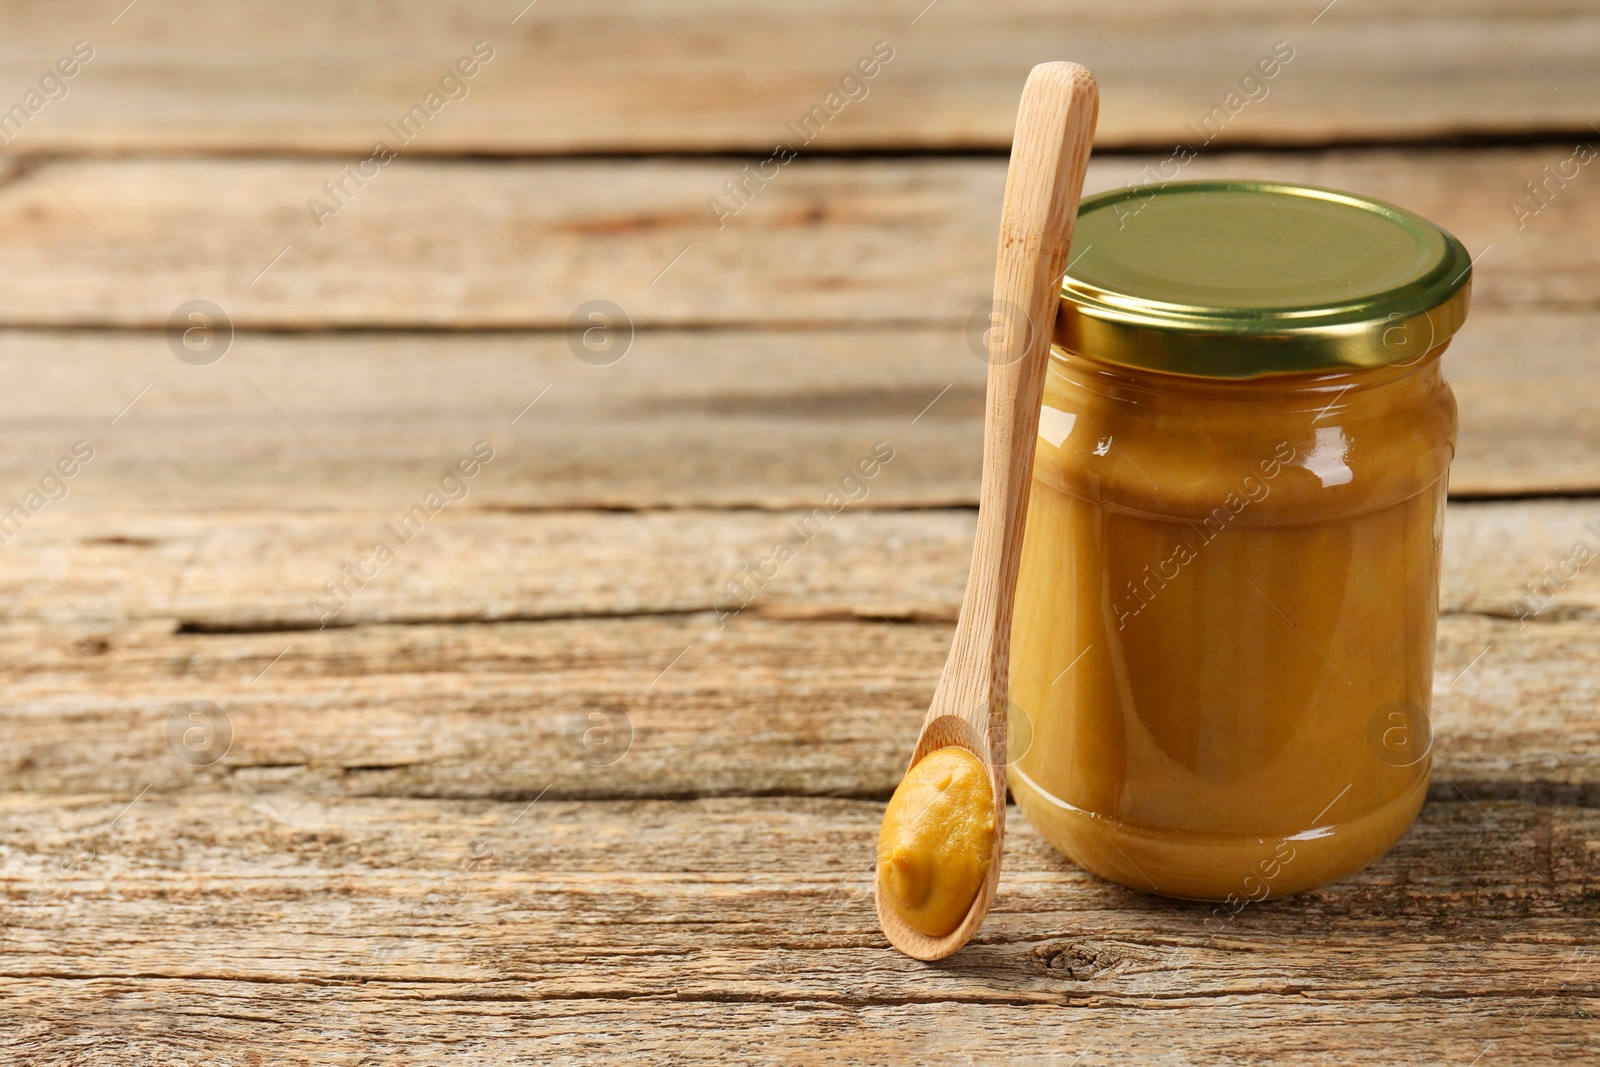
222,1023
682,421
184,570
456,245
759,707
476,930
630,75
256,571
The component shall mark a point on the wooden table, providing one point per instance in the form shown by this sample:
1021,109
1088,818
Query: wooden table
534,795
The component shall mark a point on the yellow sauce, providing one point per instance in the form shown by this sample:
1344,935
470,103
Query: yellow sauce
937,840
1224,624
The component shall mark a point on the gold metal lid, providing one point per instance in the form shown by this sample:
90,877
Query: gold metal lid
1234,279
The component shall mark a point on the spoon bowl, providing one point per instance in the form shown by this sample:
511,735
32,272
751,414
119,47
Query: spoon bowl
945,731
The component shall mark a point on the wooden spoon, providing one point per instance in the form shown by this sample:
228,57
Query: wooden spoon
1055,126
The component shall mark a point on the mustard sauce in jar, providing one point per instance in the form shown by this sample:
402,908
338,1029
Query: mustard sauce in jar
1226,607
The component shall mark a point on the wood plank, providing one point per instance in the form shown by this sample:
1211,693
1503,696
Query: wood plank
220,1022
1516,380
755,708
682,421
454,245
1484,916
258,571
717,880
629,75
1525,561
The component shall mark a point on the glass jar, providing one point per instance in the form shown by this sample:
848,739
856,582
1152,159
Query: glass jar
1225,613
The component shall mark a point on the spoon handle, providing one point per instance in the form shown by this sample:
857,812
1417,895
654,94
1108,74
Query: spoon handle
1055,127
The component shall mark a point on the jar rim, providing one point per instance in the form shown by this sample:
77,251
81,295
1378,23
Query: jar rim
1236,279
